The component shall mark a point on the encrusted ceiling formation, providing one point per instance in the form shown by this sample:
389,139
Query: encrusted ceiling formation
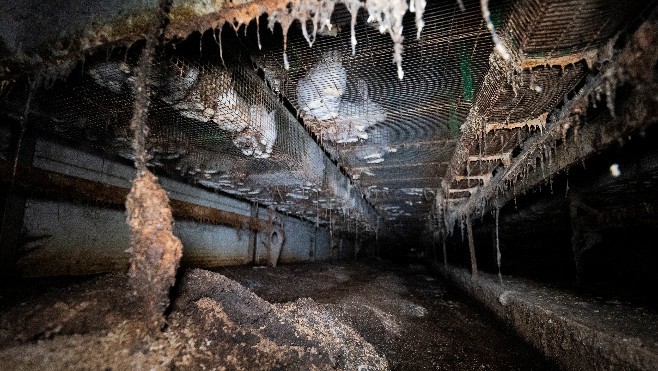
406,116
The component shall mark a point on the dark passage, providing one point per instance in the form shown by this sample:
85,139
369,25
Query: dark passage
305,316
411,316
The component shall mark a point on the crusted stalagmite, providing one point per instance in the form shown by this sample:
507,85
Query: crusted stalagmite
156,252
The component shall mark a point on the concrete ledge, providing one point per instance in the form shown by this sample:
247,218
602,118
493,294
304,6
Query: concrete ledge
578,333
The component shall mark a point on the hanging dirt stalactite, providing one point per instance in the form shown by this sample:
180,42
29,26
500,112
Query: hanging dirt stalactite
155,251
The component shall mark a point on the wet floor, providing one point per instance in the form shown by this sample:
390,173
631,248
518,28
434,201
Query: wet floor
410,316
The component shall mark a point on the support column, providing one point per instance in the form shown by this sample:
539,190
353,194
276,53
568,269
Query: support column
497,245
445,249
471,248
582,237
253,236
313,243
23,141
432,249
340,248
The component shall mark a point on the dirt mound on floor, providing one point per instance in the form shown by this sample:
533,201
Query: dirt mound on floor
214,323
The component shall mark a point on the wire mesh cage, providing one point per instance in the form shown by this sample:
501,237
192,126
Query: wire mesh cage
389,134
215,125
217,121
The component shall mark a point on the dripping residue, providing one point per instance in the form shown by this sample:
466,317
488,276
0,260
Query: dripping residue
218,39
500,48
387,14
418,7
353,7
260,47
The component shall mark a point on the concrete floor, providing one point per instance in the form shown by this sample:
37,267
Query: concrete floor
412,317
304,316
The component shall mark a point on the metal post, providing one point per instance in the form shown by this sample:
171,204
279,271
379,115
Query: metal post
253,236
22,147
471,247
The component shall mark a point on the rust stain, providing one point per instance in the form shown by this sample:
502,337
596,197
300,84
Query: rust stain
484,178
48,184
539,122
506,158
189,16
185,17
588,56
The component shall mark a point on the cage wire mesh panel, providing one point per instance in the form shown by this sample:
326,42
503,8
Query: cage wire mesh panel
544,30
394,137
219,127
228,129
554,46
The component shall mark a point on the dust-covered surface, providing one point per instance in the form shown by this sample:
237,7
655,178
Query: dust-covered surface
579,333
407,314
329,316
215,323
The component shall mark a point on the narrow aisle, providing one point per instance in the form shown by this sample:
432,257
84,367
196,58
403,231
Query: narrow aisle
410,316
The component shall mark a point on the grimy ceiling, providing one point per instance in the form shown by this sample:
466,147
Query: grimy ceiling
360,115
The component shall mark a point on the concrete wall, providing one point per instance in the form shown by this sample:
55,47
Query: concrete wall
66,238
72,238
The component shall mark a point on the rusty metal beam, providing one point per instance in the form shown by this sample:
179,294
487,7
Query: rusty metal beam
47,184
